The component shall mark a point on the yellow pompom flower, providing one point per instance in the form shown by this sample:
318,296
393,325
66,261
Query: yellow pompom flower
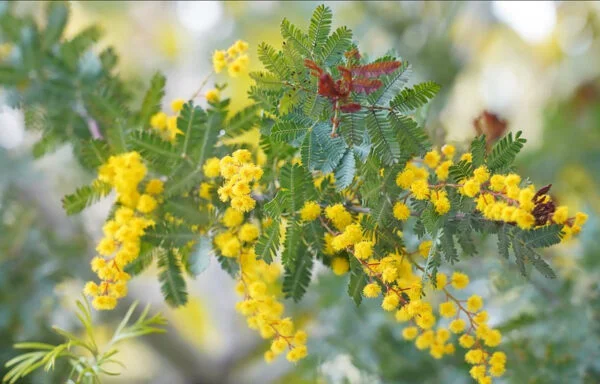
468,157
561,214
424,248
213,95
104,302
363,250
338,216
497,183
409,333
471,188
310,211
212,167
466,341
460,280
159,121
432,159
340,265
481,174
448,150
248,232
390,301
177,105
447,309
154,187
474,303
232,218
401,211
441,280
420,189
372,290
457,326
146,204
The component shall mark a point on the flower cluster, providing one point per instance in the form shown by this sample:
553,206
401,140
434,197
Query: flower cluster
165,125
239,172
499,197
257,280
121,242
234,59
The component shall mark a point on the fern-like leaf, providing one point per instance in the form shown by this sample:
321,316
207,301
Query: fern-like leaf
298,275
268,243
412,98
335,46
153,98
505,151
319,28
172,283
84,197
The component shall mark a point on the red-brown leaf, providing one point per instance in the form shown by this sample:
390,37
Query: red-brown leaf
375,69
350,107
315,70
327,86
366,85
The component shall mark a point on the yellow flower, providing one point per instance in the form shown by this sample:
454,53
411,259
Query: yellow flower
154,187
448,309
248,232
104,302
363,250
457,325
390,301
297,353
401,211
468,157
310,211
424,248
460,280
497,183
443,170
211,167
466,341
512,180
441,280
232,218
420,189
340,265
474,356
448,150
580,219
213,95
471,188
159,121
177,105
431,159
91,289
146,204
474,303
409,333
372,290
481,174
561,215
338,216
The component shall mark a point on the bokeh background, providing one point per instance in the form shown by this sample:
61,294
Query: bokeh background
532,66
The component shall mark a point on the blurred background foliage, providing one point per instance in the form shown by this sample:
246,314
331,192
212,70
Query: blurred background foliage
534,66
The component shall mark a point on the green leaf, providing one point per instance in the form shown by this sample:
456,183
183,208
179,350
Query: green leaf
448,247
266,80
478,149
357,282
242,121
173,285
412,98
48,143
321,152
392,84
84,197
191,122
504,152
383,137
319,28
92,153
289,131
520,254
336,45
412,139
199,258
148,253
298,274
273,61
344,172
503,242
542,237
153,148
152,100
542,266
296,38
296,180
460,171
57,13
278,205
268,243
292,244
169,235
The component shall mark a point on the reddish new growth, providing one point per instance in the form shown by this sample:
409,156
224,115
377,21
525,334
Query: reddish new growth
353,78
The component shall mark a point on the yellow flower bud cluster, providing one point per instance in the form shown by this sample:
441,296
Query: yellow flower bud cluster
239,172
121,242
259,288
499,197
235,59
166,125
397,278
